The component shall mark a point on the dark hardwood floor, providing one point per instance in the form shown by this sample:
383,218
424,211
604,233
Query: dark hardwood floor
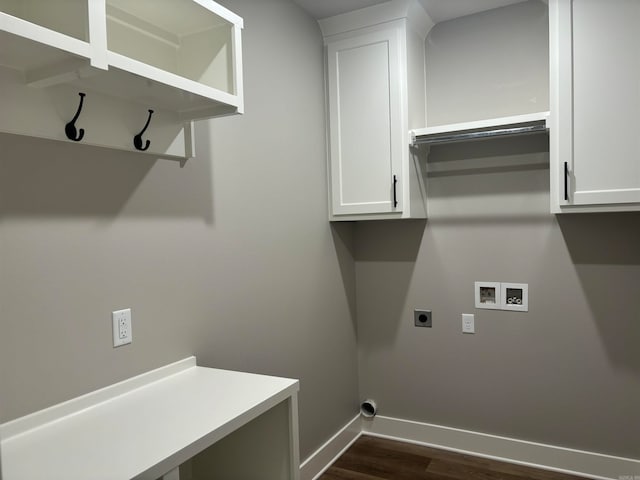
371,458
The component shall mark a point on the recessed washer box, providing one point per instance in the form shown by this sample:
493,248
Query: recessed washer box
515,296
488,295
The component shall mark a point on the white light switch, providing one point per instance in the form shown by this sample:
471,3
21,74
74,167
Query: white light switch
468,323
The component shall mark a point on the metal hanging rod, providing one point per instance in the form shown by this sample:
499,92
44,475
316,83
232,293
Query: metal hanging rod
469,136
507,126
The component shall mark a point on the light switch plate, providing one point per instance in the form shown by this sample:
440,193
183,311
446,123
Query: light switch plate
468,323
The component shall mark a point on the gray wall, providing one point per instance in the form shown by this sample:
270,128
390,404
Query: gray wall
491,64
565,373
230,258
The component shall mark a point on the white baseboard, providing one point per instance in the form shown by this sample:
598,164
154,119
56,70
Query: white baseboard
321,459
548,457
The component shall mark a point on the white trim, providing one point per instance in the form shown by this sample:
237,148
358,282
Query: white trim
43,35
548,457
222,12
366,17
318,462
146,71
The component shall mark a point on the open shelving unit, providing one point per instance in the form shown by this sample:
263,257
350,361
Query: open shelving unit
180,58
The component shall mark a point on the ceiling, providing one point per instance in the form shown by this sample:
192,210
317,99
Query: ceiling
438,10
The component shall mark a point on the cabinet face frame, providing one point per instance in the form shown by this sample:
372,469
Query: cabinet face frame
565,197
390,36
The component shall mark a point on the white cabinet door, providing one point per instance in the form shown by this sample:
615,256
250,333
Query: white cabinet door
599,154
365,127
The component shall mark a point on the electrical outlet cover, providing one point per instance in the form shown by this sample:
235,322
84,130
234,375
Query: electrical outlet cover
122,333
468,323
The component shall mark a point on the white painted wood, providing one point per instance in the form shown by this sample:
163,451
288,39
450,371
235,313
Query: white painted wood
183,59
188,106
238,75
372,77
294,437
108,121
98,33
548,457
364,122
480,125
61,72
363,17
258,450
560,102
57,412
222,12
595,79
606,162
172,475
17,27
320,460
141,428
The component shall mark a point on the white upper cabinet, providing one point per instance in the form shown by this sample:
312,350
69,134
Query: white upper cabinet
375,66
595,84
180,58
365,121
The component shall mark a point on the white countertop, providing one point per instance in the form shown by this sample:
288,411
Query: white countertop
140,428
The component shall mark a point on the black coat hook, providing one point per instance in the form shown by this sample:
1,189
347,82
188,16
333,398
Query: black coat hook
70,128
137,140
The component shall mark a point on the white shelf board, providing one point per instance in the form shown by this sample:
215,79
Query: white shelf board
140,428
26,46
148,85
482,125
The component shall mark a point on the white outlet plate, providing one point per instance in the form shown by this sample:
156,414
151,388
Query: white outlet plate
468,323
122,333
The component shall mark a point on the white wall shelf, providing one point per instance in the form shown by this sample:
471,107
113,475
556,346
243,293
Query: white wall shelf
482,129
146,426
183,60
